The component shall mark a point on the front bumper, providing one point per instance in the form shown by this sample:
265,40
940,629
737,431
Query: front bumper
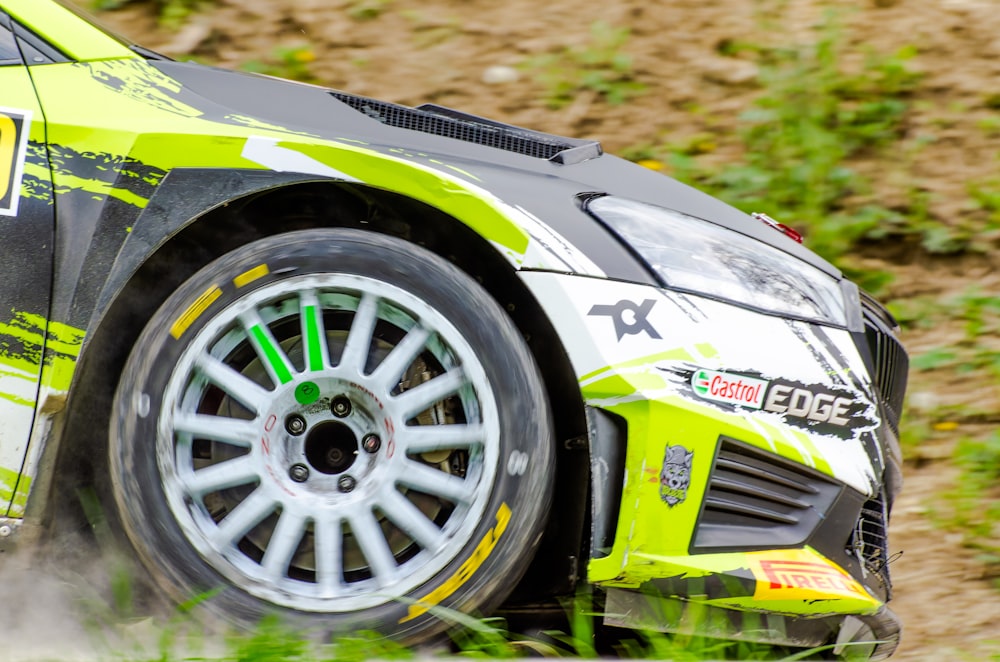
872,636
737,461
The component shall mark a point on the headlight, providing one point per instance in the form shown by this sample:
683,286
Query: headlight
693,255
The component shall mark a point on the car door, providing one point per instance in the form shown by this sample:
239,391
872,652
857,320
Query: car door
26,240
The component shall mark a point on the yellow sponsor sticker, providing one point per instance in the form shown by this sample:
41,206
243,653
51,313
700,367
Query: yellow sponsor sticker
194,311
466,570
8,144
14,125
251,275
796,574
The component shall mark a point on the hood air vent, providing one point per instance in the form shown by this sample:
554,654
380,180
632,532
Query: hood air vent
441,121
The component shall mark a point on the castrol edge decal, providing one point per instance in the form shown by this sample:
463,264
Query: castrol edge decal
831,410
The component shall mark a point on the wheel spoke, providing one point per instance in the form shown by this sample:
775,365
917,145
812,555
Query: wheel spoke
283,544
391,369
434,482
238,387
232,431
272,357
416,439
244,517
313,332
359,340
374,546
412,521
329,555
221,476
419,398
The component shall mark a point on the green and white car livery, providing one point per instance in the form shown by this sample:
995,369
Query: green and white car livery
352,360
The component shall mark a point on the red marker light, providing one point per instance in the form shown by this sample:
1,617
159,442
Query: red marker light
780,227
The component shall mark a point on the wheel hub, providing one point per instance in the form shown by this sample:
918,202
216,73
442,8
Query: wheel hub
331,447
324,437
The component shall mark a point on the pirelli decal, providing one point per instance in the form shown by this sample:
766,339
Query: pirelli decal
796,574
466,570
194,311
14,128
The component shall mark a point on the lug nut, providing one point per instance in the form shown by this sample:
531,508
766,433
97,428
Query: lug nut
299,473
346,483
295,424
371,443
340,406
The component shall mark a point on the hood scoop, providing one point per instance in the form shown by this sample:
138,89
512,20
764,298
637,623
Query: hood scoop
449,123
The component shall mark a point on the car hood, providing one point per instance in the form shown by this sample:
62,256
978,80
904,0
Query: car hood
543,187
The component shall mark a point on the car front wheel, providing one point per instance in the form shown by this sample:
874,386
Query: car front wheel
337,425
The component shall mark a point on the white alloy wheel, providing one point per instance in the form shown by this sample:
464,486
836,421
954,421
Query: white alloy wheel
318,417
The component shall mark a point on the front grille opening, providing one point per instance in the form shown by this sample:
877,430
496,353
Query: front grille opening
891,361
756,499
870,541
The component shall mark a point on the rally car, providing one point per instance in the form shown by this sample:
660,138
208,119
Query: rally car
361,364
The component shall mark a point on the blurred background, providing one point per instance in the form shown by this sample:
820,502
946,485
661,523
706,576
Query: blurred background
871,126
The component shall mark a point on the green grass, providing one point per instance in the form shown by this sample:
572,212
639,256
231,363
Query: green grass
983,231
171,13
291,62
973,505
272,641
118,632
366,10
978,315
601,66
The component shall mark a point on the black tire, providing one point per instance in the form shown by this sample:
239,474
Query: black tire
176,412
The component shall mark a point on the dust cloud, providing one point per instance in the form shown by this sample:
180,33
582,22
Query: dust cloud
73,603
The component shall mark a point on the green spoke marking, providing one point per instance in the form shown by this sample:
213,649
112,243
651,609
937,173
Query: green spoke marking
273,354
314,350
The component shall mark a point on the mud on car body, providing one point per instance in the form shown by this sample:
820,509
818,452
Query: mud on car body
350,360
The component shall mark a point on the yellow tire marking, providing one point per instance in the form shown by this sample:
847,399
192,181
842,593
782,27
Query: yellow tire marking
250,276
466,570
194,311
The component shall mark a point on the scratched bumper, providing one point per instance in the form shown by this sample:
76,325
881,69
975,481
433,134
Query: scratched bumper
873,636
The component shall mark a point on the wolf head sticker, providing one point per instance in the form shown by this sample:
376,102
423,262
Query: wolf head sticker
675,475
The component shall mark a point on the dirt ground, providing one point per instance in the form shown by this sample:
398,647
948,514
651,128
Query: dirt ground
448,52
